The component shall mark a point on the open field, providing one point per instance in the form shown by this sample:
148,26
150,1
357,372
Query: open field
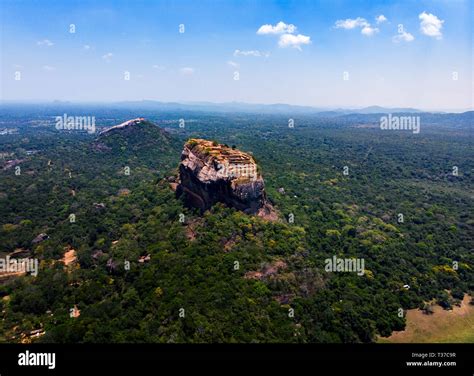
455,326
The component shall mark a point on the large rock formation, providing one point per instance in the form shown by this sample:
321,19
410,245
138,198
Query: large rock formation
211,173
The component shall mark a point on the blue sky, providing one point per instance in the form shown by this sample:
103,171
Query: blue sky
294,52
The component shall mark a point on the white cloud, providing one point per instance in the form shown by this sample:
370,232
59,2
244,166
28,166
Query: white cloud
255,53
45,42
350,23
380,19
187,71
404,36
158,67
295,41
369,30
279,28
86,47
48,68
108,56
287,37
431,25
233,64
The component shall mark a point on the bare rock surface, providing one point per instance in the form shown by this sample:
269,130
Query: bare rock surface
210,172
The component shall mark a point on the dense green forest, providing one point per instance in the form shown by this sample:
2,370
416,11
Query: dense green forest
345,184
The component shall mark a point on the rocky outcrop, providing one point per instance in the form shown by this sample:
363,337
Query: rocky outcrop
128,125
41,237
130,134
211,173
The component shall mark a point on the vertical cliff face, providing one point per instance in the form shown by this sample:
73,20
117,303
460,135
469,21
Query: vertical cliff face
211,173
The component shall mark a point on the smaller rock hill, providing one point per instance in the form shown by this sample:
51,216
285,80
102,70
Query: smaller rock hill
138,141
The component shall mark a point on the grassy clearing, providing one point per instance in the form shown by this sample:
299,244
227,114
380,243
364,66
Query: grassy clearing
455,326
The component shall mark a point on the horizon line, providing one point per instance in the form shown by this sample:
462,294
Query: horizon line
203,103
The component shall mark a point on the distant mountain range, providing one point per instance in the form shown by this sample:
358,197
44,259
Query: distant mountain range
235,107
277,108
